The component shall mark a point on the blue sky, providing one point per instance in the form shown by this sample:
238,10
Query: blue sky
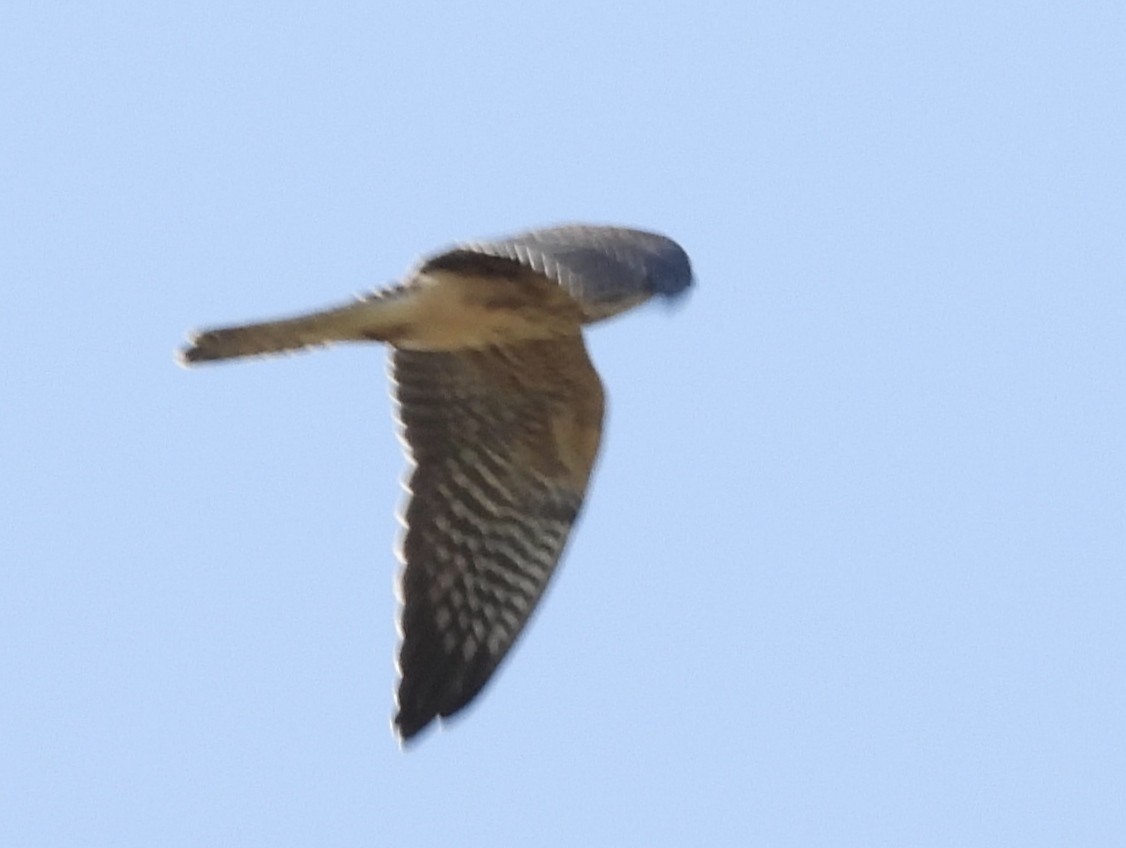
851,569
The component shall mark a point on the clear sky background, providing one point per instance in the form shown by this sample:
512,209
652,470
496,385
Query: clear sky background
851,571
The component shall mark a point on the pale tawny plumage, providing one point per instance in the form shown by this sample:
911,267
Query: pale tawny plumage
501,414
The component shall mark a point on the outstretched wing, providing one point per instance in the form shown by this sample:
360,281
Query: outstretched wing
503,441
605,269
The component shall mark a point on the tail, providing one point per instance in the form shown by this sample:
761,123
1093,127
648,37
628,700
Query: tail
368,319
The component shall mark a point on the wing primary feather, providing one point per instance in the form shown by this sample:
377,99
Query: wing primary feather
486,525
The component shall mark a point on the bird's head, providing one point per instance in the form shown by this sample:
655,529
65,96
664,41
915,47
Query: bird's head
610,270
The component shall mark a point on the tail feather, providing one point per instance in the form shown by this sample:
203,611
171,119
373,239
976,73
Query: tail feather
253,340
364,320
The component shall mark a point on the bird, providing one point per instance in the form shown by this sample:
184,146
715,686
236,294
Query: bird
500,414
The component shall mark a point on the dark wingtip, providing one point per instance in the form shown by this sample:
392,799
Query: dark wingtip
407,726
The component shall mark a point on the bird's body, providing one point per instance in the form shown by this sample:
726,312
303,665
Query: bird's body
501,413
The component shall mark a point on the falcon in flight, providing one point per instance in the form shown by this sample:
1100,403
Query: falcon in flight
501,417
